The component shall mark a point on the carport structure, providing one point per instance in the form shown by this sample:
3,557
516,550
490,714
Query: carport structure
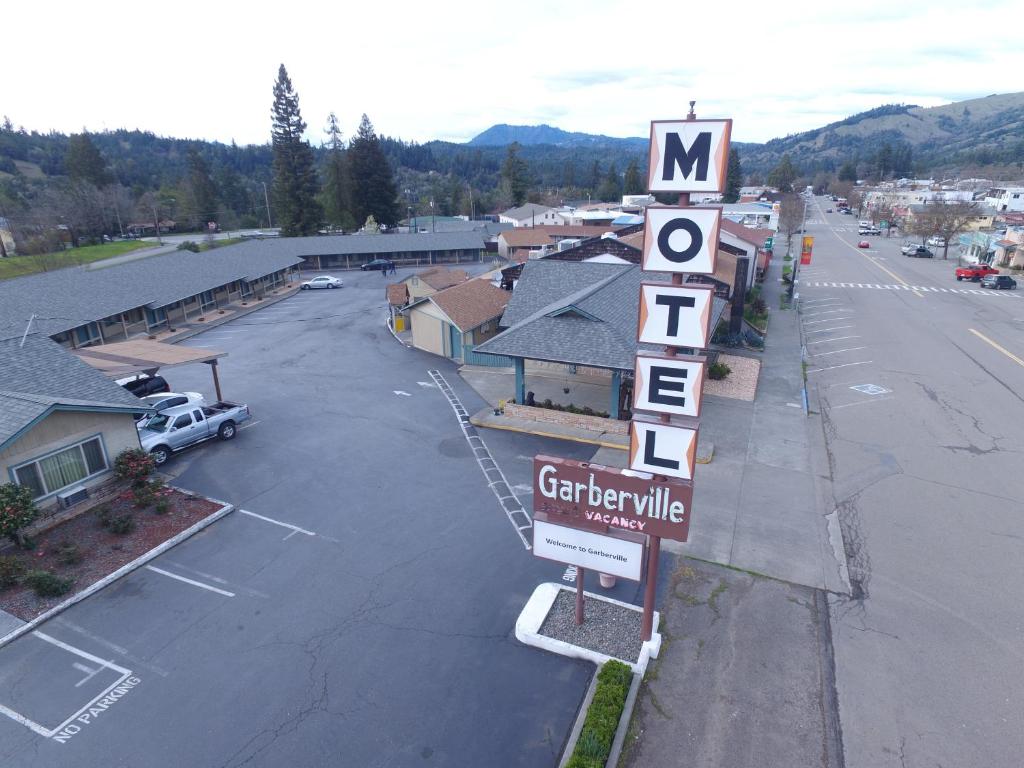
125,358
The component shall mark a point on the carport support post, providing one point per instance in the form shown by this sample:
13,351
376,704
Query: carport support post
613,408
216,380
520,381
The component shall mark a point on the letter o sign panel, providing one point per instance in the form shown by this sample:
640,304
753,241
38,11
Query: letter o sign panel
681,240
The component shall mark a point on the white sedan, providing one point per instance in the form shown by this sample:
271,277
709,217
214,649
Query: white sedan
323,281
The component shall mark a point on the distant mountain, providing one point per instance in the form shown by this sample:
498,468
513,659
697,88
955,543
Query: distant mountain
987,131
530,135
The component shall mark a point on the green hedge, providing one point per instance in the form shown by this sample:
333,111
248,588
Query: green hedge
595,741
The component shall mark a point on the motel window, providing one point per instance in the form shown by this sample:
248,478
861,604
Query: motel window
56,471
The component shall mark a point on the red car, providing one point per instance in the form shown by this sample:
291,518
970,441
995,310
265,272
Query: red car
975,272
863,244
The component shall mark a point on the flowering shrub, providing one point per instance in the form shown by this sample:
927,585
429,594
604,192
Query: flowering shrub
16,511
134,464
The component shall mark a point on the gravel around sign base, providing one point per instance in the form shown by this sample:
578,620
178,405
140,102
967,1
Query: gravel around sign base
741,383
607,628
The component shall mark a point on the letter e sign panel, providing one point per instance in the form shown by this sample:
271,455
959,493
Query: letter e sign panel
671,385
681,240
663,449
688,155
675,315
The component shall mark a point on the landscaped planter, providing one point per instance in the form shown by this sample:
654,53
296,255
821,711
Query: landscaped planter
579,420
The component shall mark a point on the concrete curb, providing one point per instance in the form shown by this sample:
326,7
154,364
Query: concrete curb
627,716
188,334
577,726
539,605
125,569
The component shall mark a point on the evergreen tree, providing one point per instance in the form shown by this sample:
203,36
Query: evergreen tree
83,162
373,184
595,177
610,190
569,174
733,177
201,194
633,184
231,190
783,175
515,175
883,160
295,181
848,171
337,192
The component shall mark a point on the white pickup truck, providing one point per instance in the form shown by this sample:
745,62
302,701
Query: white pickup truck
174,429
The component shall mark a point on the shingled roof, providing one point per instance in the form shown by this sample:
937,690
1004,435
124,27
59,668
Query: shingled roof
471,304
40,376
583,313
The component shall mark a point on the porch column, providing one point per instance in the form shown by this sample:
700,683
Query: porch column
613,405
520,380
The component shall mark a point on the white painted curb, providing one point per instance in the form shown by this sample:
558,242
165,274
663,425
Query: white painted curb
124,570
539,605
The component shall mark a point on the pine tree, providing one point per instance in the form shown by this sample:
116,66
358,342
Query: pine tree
295,180
610,190
783,175
201,192
848,171
84,162
336,195
515,175
373,185
733,177
633,184
595,177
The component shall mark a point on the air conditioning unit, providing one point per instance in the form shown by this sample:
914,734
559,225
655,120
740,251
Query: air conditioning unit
72,496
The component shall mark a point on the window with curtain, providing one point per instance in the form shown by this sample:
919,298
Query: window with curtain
59,470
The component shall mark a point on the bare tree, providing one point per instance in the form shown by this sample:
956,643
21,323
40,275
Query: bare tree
855,200
791,216
945,219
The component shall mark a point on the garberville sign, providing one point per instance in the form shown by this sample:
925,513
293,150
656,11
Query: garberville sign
592,496
689,155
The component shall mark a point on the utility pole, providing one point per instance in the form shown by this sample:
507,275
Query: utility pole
266,199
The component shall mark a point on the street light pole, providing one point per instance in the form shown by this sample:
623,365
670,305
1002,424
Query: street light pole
266,199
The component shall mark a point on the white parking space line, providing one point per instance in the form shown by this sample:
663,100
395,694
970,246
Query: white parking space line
833,367
193,582
860,402
827,330
829,341
825,312
827,320
78,652
250,424
837,351
293,528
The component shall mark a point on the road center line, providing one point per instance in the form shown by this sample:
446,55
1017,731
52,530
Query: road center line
272,521
193,582
993,344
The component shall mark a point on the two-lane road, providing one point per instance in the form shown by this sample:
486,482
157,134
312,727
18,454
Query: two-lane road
920,381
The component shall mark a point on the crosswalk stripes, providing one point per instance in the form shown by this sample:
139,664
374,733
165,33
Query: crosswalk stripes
919,288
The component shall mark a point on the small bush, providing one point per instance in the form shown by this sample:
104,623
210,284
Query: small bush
162,506
134,464
595,741
759,306
189,245
102,513
122,523
48,584
718,371
17,510
11,571
68,553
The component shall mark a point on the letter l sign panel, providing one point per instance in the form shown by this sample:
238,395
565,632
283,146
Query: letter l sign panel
662,449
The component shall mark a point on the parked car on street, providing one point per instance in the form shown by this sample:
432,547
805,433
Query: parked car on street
869,231
323,281
168,400
920,252
999,282
178,428
975,272
143,384
863,244
382,264
909,248
936,242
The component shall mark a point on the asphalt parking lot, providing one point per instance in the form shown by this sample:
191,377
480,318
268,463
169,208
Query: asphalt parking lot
356,609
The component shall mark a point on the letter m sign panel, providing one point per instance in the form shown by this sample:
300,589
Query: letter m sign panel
689,155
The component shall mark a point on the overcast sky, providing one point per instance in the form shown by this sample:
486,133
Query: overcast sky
448,70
